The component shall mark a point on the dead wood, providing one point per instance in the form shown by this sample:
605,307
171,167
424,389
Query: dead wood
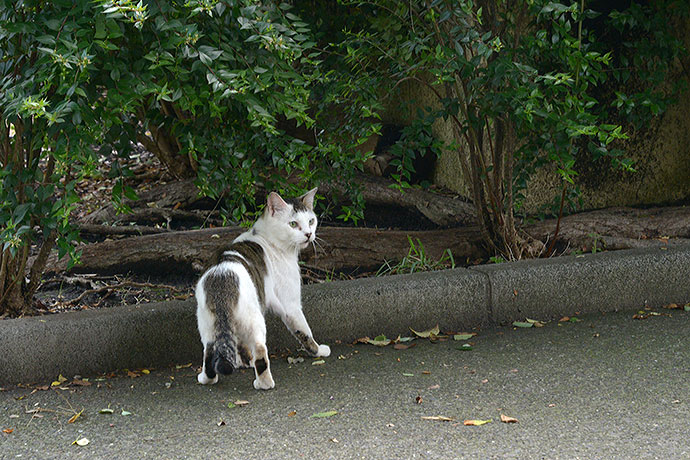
340,249
124,284
365,249
119,230
173,200
442,210
618,228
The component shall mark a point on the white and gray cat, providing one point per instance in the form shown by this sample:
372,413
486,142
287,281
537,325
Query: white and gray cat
258,272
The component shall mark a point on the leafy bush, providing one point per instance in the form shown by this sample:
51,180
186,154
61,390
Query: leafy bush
522,85
49,120
214,89
246,94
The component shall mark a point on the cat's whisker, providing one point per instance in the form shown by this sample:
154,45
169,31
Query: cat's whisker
318,241
313,245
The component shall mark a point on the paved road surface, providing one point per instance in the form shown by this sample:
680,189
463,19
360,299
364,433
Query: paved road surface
606,387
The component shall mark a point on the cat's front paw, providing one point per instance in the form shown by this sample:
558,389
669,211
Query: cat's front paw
264,383
204,380
324,351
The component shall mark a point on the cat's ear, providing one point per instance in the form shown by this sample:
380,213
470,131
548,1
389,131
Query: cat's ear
275,203
308,198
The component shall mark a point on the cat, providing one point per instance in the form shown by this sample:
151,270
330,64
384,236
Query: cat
259,271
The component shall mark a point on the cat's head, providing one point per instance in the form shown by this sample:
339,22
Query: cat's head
291,221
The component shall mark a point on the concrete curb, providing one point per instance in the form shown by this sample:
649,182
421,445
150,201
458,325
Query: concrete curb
155,335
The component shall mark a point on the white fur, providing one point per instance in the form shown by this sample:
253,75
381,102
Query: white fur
281,243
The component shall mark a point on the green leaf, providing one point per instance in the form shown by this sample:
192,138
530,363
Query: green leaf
379,341
125,413
464,336
329,413
407,374
522,324
107,410
20,212
465,347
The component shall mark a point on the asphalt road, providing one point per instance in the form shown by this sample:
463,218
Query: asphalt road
605,387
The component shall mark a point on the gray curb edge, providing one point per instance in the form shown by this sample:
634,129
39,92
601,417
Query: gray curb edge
153,335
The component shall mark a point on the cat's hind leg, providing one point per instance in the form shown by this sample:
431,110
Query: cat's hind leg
208,372
262,368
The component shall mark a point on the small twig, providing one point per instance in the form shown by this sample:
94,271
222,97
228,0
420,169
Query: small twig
124,284
108,230
549,251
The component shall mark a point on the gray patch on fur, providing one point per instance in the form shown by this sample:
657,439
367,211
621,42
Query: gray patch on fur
251,256
222,294
307,342
245,355
297,204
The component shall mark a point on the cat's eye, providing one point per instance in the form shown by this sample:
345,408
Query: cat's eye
311,222
293,224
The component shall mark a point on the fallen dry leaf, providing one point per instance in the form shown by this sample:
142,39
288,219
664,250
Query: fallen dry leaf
476,422
507,419
241,402
75,417
418,399
672,306
433,332
438,418
292,413
80,383
8,430
59,381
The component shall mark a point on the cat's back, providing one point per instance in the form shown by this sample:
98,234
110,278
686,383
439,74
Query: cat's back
249,254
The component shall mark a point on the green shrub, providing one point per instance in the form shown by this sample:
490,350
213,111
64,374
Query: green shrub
524,84
216,90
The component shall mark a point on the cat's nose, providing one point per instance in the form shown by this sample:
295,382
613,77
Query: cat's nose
308,235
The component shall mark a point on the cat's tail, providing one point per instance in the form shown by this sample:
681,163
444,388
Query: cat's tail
221,296
225,353
225,349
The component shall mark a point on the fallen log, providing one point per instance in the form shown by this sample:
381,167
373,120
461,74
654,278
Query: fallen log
340,249
162,204
343,249
441,210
